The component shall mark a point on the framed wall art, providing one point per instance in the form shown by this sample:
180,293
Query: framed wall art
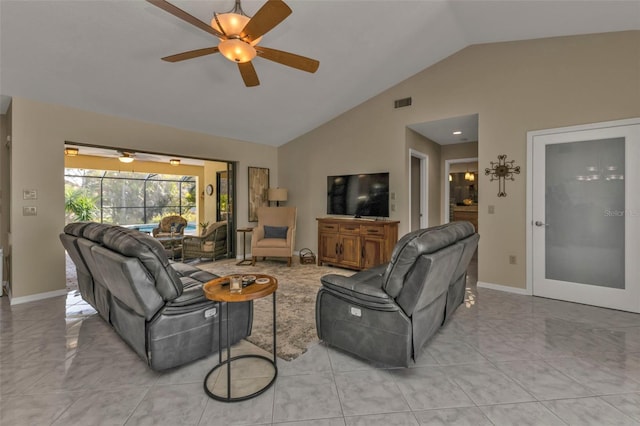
258,186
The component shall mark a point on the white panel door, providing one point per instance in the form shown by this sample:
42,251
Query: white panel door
586,216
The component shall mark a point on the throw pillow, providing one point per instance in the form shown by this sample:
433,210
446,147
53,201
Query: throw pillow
276,232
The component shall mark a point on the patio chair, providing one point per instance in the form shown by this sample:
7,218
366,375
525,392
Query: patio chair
211,245
164,227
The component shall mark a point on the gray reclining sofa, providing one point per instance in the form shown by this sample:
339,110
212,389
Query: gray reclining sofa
156,306
388,313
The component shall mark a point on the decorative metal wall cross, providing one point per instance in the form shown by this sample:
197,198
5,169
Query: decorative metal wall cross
500,171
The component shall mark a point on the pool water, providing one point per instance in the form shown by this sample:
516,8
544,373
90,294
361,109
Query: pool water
148,227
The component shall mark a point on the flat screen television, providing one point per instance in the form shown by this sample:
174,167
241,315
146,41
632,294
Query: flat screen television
358,195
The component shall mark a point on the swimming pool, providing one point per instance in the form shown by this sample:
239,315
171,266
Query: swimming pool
148,227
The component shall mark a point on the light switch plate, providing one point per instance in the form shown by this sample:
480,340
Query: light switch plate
29,211
29,194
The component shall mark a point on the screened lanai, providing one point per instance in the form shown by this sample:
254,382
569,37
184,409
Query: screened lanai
132,199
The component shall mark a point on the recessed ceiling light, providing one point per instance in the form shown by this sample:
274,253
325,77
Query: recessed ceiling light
457,132
126,157
71,152
174,162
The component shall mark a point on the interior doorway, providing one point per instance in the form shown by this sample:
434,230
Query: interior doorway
418,190
461,190
583,206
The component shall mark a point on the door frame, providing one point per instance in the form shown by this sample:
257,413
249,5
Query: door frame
445,179
424,194
530,166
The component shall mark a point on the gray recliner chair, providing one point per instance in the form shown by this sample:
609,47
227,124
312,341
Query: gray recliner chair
156,306
387,314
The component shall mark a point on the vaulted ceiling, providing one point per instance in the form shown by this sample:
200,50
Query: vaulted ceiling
104,55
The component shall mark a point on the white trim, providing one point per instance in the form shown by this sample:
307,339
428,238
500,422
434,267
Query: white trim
530,165
581,127
445,179
424,194
505,288
39,296
248,255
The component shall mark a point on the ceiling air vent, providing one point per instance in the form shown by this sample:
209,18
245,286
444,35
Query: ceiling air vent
400,103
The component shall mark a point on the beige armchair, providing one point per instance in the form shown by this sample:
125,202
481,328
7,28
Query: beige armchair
211,245
275,234
164,228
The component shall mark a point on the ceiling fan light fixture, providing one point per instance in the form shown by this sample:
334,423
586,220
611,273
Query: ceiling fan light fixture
237,50
231,24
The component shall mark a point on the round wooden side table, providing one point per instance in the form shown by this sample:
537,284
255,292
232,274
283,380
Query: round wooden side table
218,290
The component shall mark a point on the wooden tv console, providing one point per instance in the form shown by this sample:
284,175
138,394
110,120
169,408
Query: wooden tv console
355,243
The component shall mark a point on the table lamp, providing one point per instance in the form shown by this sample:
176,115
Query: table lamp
277,195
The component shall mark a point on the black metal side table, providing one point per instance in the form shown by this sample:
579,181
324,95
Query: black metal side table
244,232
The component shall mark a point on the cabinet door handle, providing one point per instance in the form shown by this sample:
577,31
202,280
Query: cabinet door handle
362,252
336,248
341,248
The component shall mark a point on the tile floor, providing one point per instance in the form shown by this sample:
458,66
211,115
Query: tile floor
504,359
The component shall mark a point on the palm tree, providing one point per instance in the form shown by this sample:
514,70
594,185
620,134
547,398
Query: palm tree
80,205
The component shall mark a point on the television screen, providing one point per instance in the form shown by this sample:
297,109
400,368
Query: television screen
358,195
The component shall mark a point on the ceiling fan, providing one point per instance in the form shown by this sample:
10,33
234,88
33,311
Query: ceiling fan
239,36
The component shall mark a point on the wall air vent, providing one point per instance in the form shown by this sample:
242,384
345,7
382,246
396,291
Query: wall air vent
401,103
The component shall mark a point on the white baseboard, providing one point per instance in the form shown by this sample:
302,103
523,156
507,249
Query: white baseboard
35,297
504,288
248,255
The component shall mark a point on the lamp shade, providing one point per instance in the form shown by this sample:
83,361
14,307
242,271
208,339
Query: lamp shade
237,50
231,24
277,194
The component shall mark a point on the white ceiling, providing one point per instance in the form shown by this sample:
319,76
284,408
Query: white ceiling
442,131
104,55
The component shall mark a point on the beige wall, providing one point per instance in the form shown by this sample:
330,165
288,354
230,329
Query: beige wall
39,133
515,87
5,130
458,150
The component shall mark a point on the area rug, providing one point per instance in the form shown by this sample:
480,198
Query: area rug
295,303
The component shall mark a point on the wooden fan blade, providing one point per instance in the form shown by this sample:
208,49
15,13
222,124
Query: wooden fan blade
248,73
289,59
270,14
191,54
179,13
